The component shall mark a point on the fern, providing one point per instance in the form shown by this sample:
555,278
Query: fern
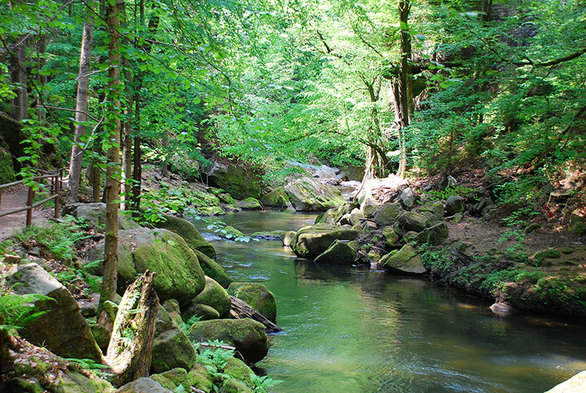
18,310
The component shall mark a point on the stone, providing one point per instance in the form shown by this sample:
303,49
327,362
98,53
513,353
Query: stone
453,205
171,347
213,295
435,211
277,198
94,215
248,336
7,173
577,224
576,384
211,211
313,240
368,207
201,311
257,296
178,273
407,198
234,386
288,238
404,261
352,218
74,382
391,237
63,330
183,165
237,369
339,253
172,307
189,233
307,194
387,214
213,269
197,377
434,235
143,385
413,221
239,181
326,217
250,204
269,235
500,308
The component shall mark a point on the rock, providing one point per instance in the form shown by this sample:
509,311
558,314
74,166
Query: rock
246,335
201,311
308,194
413,221
63,330
277,198
391,237
171,347
214,296
311,241
179,275
197,377
257,296
407,198
434,235
213,269
576,384
237,369
453,205
387,214
226,198
410,236
481,205
577,224
189,233
94,214
237,180
352,218
404,261
7,174
234,386
434,211
74,382
288,238
500,308
368,207
182,164
269,235
172,307
339,253
143,385
326,217
211,211
250,204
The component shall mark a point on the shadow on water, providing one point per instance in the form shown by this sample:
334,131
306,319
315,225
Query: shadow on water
354,330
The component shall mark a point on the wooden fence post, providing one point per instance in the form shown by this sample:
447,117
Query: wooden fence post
29,212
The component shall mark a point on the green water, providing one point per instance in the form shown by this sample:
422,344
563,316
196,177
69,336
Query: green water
350,330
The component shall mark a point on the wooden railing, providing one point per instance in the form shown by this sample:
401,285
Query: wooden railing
55,191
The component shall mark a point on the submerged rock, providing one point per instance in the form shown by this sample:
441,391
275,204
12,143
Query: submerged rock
339,253
257,296
189,233
313,240
248,336
404,261
62,329
308,194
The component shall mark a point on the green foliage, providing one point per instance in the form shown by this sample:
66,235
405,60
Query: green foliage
17,310
174,200
462,191
185,326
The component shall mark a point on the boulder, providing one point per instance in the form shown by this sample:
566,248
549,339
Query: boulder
391,237
200,311
171,347
237,369
7,174
189,233
257,296
434,235
250,204
213,295
434,211
576,384
143,385
63,330
288,238
94,214
213,269
198,377
234,386
210,211
248,336
369,207
277,198
577,223
404,261
352,218
387,214
74,382
237,180
310,241
339,253
413,221
453,205
172,307
183,165
407,198
308,194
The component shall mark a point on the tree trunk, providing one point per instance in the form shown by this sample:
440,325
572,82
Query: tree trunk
135,320
18,58
112,187
136,160
240,309
81,110
401,85
165,169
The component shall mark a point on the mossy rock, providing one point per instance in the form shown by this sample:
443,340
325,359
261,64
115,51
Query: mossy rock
94,215
250,204
197,377
453,205
211,211
413,221
307,194
277,198
7,174
339,253
172,307
257,296
171,347
248,336
387,214
391,237
189,233
311,241
215,296
237,369
577,224
235,386
237,180
201,311
74,382
288,238
434,235
213,269
143,385
404,261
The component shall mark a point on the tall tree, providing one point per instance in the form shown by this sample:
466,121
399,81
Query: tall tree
112,188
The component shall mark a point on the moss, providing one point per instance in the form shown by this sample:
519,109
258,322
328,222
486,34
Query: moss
214,296
189,233
276,198
211,211
7,174
73,382
237,369
251,204
213,269
199,377
540,256
257,296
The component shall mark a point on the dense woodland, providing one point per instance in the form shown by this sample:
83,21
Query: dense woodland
491,93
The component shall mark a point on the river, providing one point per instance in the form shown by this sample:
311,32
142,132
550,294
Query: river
354,330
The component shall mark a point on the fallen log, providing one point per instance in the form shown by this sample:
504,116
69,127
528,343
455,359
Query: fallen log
131,344
240,309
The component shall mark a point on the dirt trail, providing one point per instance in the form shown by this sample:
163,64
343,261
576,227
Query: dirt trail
14,198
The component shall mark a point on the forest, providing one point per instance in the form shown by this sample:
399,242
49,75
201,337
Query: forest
209,160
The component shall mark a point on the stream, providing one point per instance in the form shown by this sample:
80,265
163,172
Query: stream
354,330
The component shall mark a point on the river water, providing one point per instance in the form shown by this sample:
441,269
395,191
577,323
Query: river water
354,330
